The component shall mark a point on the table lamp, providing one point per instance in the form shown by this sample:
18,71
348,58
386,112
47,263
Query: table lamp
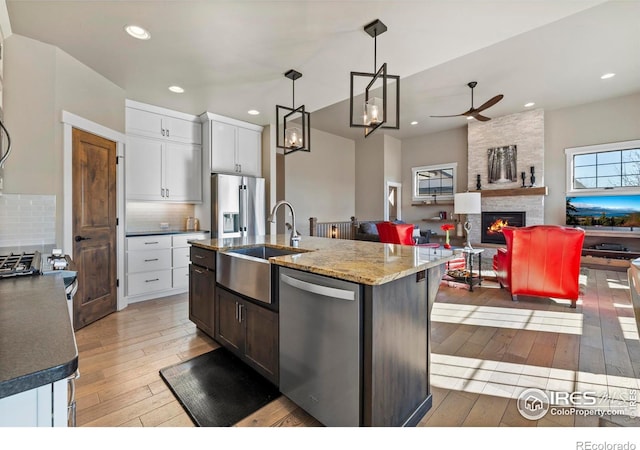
467,203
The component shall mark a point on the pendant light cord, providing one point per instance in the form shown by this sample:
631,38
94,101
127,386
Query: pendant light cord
375,49
293,88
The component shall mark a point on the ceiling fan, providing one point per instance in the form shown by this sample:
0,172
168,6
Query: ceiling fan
475,112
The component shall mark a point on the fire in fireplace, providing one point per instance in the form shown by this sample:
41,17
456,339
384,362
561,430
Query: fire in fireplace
493,221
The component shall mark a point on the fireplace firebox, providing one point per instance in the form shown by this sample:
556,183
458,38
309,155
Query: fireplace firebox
493,221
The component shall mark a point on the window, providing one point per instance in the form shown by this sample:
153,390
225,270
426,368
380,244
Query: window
434,183
604,167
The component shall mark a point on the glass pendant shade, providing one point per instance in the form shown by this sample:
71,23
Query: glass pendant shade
293,138
373,111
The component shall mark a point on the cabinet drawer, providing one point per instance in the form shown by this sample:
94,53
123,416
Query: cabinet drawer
181,240
202,257
181,257
145,261
143,283
181,277
148,242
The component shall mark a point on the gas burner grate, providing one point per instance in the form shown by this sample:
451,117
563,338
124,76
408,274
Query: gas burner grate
23,263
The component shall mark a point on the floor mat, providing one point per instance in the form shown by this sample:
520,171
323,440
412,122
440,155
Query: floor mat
217,389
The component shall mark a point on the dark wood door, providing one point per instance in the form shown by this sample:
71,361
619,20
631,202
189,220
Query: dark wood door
261,339
94,227
202,288
229,329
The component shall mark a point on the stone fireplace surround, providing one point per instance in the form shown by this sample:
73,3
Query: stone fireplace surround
526,131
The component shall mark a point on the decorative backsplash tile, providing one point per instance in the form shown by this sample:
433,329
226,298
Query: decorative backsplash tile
147,216
27,220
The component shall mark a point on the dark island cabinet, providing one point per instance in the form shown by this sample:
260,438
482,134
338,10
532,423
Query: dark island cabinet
202,288
248,330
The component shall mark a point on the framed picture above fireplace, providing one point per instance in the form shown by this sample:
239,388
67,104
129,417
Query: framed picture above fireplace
502,164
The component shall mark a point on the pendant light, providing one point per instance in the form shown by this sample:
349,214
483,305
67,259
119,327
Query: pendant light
375,111
296,123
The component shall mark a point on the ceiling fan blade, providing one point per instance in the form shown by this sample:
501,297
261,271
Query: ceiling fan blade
490,103
481,118
455,115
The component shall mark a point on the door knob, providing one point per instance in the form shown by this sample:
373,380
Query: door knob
81,238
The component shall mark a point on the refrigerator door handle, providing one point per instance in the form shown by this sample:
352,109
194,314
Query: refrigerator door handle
245,208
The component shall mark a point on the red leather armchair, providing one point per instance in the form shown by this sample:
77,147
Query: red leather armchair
540,260
392,233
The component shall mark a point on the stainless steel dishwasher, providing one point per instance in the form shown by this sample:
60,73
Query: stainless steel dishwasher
320,346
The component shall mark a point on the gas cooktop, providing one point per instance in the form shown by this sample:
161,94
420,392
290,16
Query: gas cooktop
16,264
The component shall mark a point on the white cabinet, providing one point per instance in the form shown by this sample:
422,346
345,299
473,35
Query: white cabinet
158,265
44,406
235,146
163,156
148,265
167,171
157,124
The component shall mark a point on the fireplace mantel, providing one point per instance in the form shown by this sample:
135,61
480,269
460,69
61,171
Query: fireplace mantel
542,190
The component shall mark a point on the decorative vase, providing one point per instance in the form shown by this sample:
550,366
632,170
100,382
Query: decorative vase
446,240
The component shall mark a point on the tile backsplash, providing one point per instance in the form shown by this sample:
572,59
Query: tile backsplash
27,220
147,216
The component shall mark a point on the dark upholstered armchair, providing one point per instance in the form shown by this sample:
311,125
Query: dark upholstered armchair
540,260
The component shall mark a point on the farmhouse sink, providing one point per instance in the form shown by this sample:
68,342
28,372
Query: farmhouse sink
247,270
263,252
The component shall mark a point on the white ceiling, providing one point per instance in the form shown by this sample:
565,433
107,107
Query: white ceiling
230,55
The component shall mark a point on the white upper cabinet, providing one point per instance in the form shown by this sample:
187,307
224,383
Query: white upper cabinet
235,146
150,121
163,156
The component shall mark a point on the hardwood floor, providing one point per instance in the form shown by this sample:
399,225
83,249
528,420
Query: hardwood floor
485,349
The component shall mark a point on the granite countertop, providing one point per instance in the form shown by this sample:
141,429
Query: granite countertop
362,262
37,344
162,232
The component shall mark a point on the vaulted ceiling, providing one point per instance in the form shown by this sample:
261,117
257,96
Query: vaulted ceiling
230,55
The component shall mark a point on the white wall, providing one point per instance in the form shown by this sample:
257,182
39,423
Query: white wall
321,183
41,81
436,148
369,177
601,122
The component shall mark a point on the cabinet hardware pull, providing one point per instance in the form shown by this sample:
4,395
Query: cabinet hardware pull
152,259
236,310
162,192
167,132
163,131
240,312
149,281
199,256
240,166
149,243
167,192
199,271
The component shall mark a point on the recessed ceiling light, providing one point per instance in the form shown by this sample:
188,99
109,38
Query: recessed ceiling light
529,105
608,75
253,112
176,89
414,123
137,32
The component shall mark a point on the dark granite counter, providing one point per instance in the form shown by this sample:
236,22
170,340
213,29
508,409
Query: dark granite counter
162,232
37,344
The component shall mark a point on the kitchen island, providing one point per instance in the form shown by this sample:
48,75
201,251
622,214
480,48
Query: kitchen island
395,285
37,351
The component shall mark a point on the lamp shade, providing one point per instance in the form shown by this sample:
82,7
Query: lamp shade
467,203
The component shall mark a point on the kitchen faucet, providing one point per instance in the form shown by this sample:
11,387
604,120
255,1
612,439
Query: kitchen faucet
295,237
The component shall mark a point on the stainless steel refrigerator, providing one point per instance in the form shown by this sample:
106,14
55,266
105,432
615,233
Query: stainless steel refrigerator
237,206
